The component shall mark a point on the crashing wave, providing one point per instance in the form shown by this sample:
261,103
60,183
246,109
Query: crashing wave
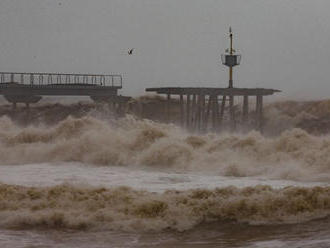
85,207
294,155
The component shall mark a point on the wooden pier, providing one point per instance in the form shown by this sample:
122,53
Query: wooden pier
203,109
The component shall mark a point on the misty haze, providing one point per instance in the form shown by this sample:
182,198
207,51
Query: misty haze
163,123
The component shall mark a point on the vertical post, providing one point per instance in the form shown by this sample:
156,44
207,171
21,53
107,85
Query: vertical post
207,114
193,114
223,105
232,113
245,108
261,124
230,77
181,111
213,113
31,79
217,112
168,107
259,113
231,53
199,110
203,112
188,112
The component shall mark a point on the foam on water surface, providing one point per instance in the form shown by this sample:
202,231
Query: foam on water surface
143,178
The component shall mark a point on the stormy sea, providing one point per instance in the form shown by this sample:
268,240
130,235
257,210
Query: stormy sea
73,176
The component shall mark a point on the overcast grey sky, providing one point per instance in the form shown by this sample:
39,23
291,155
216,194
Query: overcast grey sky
284,43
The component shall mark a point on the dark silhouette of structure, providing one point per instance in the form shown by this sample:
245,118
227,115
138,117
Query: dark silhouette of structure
30,87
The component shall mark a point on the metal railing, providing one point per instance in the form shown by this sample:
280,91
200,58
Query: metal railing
61,79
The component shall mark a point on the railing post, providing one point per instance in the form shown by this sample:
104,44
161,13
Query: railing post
31,79
59,79
85,79
102,79
67,79
41,79
50,79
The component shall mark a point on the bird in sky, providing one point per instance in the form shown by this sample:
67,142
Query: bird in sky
130,52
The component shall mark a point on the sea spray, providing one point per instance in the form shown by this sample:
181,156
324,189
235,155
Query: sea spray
294,155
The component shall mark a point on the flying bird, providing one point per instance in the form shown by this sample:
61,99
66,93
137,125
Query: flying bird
130,52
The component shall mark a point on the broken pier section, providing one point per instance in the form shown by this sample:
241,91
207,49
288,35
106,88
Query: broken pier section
202,109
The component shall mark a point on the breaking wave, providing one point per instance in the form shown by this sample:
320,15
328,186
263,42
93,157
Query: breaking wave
74,207
294,155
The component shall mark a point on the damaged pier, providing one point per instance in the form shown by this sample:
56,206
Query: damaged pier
205,108
202,108
29,88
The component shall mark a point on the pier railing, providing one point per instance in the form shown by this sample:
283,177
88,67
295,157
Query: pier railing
61,79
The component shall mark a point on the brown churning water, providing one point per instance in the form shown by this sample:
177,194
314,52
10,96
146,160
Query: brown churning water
288,151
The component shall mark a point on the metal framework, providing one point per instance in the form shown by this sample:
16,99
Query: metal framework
40,79
28,88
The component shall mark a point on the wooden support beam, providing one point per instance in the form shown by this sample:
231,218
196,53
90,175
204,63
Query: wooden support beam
232,113
245,108
203,113
217,114
188,112
222,110
181,111
193,112
198,113
257,112
207,114
260,113
214,113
